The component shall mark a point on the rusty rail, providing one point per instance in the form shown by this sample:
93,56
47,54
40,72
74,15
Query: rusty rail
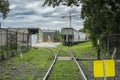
80,69
49,70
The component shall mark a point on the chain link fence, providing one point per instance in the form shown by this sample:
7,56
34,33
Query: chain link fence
110,49
12,43
111,44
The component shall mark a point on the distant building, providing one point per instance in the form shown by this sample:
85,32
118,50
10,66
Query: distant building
36,34
33,33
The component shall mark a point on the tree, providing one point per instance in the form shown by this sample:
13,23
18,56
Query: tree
57,37
82,30
4,8
101,17
63,2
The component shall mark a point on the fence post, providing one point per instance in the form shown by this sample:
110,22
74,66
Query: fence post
16,43
7,43
2,56
108,44
27,40
23,43
30,40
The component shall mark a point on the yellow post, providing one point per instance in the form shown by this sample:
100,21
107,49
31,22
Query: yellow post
98,42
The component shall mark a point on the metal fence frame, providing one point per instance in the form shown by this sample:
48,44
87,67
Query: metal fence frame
112,41
13,42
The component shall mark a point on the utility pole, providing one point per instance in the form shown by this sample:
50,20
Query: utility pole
0,25
70,19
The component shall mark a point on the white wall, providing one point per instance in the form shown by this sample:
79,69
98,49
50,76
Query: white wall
34,38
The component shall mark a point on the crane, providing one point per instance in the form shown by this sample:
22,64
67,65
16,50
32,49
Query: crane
70,17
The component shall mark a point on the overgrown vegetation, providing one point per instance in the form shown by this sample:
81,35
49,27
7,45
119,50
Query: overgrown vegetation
31,65
57,37
35,63
8,51
64,70
68,70
80,50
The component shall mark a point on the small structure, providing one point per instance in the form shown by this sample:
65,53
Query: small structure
48,35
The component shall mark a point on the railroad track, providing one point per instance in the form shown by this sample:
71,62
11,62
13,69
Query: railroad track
80,69
72,57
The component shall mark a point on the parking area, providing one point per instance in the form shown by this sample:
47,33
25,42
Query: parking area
46,44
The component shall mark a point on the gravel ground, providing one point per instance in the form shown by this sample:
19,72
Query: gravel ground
46,44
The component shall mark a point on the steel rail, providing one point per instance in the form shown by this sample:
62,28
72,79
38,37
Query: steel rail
49,70
80,69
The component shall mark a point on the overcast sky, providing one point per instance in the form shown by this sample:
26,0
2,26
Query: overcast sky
31,13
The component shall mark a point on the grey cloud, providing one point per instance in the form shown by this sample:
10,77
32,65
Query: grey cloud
29,12
38,16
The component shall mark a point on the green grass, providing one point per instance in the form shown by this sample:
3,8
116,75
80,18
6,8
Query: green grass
84,50
67,70
64,53
32,66
64,70
36,62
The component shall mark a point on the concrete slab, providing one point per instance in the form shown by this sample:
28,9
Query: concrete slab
64,58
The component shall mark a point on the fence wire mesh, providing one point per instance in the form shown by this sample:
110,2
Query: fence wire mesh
110,49
111,44
12,43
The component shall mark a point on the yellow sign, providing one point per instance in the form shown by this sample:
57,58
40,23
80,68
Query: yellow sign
104,68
